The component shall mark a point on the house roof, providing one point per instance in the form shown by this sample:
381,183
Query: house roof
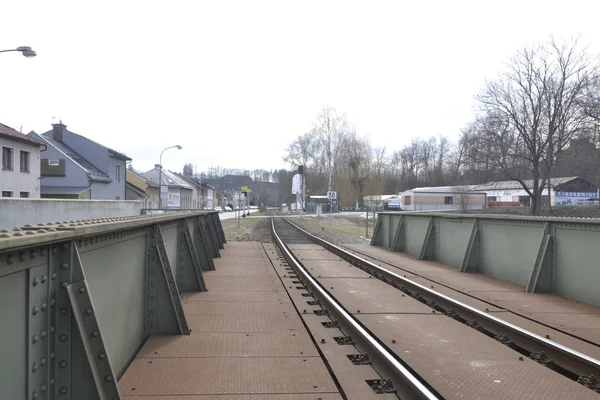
190,181
505,185
10,133
380,197
500,185
111,151
94,173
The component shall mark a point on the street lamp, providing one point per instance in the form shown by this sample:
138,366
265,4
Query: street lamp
178,147
25,50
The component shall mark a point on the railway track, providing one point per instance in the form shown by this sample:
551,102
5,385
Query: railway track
404,379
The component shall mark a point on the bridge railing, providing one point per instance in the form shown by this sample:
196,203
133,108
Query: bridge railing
78,299
550,255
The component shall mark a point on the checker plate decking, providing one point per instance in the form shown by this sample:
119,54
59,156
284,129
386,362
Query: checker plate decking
247,342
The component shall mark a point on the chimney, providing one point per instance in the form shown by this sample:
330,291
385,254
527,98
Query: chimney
57,131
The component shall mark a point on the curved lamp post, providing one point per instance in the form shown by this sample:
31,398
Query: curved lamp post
25,50
178,147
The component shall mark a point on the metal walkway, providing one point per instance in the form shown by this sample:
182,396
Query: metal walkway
545,314
247,341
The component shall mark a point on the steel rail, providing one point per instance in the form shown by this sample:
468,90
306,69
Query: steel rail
403,373
584,363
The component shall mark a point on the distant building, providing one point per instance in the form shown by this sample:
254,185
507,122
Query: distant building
442,198
178,193
75,167
266,193
141,189
561,191
20,174
196,186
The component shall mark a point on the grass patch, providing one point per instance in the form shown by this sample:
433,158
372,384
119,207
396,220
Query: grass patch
339,225
235,233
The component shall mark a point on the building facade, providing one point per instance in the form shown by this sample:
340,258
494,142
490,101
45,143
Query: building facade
177,193
78,168
20,173
442,199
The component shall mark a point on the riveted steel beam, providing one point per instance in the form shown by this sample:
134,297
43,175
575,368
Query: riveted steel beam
38,327
89,342
165,310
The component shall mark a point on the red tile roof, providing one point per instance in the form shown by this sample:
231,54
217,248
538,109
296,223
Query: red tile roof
10,133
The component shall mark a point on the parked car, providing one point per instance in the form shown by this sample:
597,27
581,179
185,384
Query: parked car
218,209
227,208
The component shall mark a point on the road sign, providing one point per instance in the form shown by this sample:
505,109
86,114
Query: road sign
332,195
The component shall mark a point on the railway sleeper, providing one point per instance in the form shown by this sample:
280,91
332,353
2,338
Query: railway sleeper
360,359
590,382
331,324
382,385
344,340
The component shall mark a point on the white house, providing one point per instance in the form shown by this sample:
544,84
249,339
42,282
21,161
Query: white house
20,174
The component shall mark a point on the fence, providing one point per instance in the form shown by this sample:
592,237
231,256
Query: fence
551,255
79,299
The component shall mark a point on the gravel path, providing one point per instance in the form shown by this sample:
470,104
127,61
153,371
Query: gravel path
341,230
335,229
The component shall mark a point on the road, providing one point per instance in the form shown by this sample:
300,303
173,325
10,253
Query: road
232,214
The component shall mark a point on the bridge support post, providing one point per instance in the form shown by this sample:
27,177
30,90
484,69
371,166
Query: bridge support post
209,234
377,232
203,246
472,257
541,279
428,246
219,229
165,310
190,274
398,242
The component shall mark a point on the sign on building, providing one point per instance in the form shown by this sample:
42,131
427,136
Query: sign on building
209,200
174,200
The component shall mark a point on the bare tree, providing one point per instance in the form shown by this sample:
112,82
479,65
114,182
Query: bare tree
301,150
531,111
355,154
329,130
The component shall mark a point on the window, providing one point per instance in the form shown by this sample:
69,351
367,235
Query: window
7,158
24,195
118,198
6,193
24,161
407,201
118,173
447,199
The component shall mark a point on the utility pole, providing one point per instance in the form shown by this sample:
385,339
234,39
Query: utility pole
301,172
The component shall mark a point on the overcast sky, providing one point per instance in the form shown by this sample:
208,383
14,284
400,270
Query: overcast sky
234,82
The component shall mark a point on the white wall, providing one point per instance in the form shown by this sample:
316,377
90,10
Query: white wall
15,180
19,212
